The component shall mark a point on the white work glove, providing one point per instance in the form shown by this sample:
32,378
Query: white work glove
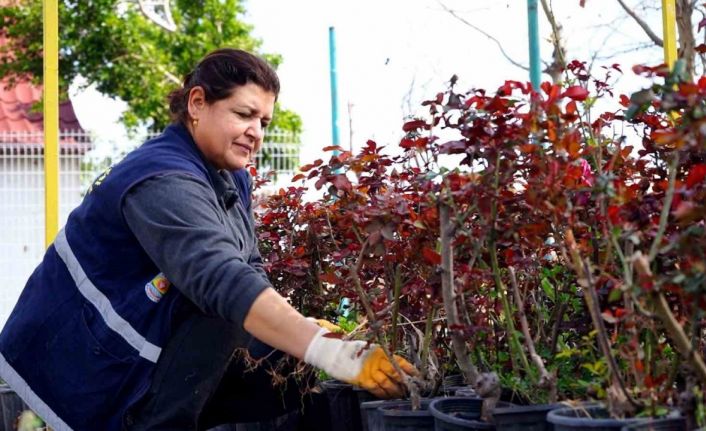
358,363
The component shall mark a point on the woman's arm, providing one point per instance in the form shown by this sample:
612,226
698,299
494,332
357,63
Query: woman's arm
273,321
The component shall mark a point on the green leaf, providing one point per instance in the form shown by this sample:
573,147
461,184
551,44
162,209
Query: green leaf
615,295
548,289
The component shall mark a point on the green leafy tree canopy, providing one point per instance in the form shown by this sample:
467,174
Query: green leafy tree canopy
114,46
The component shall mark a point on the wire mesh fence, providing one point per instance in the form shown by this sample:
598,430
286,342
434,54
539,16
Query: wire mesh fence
81,159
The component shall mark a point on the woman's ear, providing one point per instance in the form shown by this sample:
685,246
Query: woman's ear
196,102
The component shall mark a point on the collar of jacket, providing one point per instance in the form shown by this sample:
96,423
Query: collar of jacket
221,180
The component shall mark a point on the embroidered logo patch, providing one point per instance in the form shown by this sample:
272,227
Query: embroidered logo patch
157,288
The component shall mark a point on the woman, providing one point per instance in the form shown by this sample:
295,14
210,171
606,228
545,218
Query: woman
132,318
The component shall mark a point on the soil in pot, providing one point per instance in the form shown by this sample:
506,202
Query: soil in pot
343,405
458,413
665,424
588,418
399,416
523,418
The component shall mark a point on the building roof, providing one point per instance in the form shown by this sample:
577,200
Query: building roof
16,113
21,127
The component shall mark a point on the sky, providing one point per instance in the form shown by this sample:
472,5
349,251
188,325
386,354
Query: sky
393,54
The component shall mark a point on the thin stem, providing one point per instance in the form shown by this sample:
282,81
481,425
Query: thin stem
428,332
546,379
584,273
397,287
515,345
664,216
458,344
376,328
677,334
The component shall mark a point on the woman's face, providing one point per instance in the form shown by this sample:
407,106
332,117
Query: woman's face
230,131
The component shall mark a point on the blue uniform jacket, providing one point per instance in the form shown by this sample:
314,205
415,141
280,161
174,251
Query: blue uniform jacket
82,342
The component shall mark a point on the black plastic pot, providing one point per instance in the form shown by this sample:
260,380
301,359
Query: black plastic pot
451,382
399,416
11,406
524,418
370,416
343,405
666,424
465,391
588,418
286,422
365,398
458,413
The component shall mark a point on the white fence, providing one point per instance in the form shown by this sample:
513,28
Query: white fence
80,161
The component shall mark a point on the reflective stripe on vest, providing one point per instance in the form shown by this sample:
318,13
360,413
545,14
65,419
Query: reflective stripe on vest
18,384
114,321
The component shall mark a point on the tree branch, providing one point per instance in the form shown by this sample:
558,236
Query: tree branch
558,61
656,39
497,42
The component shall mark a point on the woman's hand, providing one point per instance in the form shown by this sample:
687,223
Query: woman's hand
359,363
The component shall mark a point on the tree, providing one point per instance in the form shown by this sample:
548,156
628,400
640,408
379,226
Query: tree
685,9
114,46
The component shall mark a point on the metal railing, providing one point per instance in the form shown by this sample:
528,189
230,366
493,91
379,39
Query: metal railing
81,159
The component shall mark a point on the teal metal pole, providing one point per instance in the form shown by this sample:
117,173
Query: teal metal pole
334,86
533,33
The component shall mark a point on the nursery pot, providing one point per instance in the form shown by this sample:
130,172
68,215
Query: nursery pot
11,406
343,405
450,383
287,422
364,396
458,413
399,416
665,424
371,415
368,404
524,418
588,418
464,391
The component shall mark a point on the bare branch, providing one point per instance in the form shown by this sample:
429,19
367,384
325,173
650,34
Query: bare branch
497,42
409,381
558,61
620,400
547,380
458,344
651,34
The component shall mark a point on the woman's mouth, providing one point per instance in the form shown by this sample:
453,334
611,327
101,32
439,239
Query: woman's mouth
243,147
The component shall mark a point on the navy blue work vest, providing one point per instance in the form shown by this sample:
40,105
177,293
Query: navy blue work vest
83,340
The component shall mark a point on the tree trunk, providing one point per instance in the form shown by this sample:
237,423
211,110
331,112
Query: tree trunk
687,42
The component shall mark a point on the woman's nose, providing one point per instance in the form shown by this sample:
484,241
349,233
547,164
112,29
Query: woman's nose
256,131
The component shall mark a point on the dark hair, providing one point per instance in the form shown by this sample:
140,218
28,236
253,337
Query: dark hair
219,73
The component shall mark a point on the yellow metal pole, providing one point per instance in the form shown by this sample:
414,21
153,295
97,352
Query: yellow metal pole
51,120
669,19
